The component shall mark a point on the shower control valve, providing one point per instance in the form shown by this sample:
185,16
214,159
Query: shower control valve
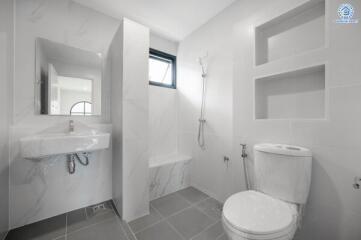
244,154
357,183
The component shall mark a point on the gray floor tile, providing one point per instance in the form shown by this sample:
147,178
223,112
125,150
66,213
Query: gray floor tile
87,216
76,219
96,216
143,222
2,235
170,204
211,207
127,230
193,195
211,233
190,222
109,229
223,237
44,230
160,231
60,238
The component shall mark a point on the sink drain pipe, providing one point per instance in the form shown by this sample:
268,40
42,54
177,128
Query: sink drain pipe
75,156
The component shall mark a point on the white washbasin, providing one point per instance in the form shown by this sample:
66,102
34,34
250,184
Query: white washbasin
48,144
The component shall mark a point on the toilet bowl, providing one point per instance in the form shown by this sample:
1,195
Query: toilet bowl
252,215
282,178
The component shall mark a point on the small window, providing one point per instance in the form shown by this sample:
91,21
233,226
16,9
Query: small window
81,109
162,69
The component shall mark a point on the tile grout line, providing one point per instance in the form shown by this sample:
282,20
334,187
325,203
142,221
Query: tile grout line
121,226
174,229
7,233
191,204
131,232
170,225
91,225
220,236
212,217
119,220
152,224
208,197
66,226
198,208
195,204
86,214
163,218
212,225
123,229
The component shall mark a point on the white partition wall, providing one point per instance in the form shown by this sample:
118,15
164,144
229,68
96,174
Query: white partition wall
116,74
4,136
6,32
130,51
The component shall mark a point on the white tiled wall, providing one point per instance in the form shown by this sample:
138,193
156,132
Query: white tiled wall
34,193
4,136
162,121
162,108
333,207
6,67
130,51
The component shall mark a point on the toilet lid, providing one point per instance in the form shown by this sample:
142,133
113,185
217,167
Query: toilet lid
257,213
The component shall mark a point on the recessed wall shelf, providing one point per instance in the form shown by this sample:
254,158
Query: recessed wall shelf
297,31
298,94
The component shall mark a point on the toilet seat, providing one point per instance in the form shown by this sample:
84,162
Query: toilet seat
254,215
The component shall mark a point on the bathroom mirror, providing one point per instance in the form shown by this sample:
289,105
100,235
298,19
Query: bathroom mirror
68,80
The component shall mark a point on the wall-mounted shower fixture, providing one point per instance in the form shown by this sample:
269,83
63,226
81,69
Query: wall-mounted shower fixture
226,160
202,62
244,156
78,157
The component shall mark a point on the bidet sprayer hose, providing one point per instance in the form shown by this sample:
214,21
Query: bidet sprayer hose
245,169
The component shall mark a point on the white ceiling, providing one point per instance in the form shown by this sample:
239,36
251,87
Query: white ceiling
174,19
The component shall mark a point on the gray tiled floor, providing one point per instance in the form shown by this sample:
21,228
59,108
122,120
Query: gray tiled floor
85,223
170,204
185,215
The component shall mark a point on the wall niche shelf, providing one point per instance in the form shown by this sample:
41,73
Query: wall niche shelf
297,31
298,94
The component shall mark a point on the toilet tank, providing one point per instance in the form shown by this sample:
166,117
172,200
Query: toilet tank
283,171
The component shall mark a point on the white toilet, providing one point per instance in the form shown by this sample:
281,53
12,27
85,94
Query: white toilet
271,211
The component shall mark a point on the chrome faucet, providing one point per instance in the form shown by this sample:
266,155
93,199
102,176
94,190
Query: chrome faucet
71,126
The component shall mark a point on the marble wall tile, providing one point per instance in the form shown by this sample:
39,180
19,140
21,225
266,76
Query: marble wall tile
168,178
130,115
4,135
43,189
40,189
6,74
135,120
116,75
163,121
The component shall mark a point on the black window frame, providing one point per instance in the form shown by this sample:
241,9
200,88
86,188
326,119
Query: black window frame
159,55
84,113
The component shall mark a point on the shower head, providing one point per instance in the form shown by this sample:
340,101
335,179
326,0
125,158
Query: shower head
203,62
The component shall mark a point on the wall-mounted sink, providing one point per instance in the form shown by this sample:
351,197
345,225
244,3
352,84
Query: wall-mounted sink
48,144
